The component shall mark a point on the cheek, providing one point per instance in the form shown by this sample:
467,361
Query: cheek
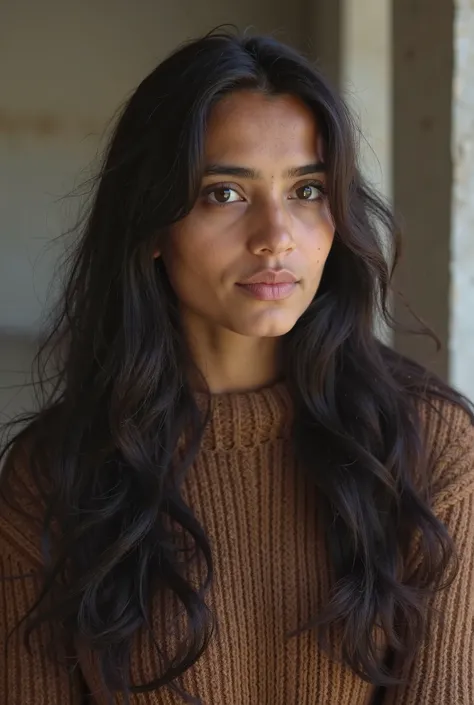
318,240
182,250
192,265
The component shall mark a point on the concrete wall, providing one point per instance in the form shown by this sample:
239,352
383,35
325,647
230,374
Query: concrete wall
395,62
422,172
366,80
462,263
65,67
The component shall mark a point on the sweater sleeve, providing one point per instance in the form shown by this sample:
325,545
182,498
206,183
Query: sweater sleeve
26,678
443,671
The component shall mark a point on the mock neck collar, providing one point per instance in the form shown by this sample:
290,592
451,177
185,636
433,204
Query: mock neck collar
246,419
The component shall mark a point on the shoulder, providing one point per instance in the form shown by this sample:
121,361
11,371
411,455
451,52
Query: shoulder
22,503
448,436
445,420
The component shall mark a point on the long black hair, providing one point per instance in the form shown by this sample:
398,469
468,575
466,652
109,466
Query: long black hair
102,448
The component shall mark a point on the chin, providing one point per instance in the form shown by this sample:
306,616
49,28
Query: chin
266,327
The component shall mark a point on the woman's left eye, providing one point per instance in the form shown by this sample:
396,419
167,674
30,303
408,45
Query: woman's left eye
309,192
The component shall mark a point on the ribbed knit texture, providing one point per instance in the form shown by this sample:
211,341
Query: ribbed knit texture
271,575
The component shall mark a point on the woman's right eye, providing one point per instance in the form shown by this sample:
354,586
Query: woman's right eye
221,195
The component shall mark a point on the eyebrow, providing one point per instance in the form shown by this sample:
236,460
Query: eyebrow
246,173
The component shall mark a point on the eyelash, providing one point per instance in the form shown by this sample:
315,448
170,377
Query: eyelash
217,187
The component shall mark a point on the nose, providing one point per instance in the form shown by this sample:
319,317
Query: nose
272,233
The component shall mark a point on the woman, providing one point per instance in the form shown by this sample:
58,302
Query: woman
235,493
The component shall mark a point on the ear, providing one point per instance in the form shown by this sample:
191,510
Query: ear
156,254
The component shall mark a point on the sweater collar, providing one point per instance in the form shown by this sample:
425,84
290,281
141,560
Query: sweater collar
246,419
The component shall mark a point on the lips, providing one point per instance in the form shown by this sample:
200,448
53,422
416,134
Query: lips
271,276
269,292
270,285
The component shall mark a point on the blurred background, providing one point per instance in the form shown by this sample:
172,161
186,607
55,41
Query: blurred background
405,66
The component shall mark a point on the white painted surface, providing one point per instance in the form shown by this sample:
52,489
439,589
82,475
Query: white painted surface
366,78
462,263
367,81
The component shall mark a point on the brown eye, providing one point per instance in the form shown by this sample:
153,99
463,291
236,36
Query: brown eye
222,195
308,192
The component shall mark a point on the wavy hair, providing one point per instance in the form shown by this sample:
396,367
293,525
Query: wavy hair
102,446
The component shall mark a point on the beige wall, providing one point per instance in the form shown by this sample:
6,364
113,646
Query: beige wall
394,60
366,80
462,265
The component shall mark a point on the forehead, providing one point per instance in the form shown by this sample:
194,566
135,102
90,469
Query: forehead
249,124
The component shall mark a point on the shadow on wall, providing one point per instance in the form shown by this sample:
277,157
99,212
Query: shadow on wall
16,356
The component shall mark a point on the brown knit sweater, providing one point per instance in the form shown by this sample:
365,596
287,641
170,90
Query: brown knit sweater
271,575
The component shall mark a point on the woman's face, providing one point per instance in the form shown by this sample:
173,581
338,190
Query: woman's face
262,215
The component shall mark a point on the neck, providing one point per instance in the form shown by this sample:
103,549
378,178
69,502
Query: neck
230,362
